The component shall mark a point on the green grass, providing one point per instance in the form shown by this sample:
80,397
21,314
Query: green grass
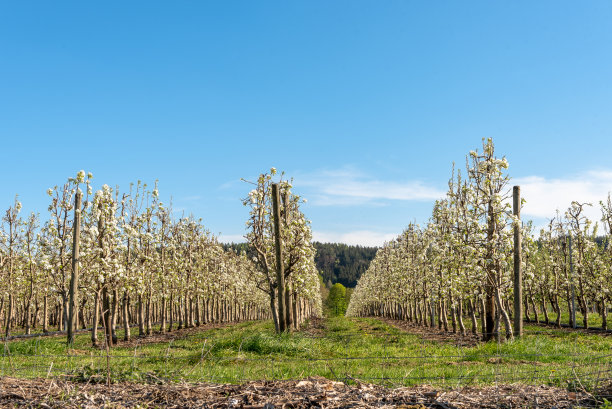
345,349
594,318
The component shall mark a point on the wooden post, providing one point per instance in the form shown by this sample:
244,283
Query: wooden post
288,314
518,271
74,278
573,316
280,273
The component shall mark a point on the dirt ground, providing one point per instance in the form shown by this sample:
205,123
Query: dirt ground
435,334
307,393
314,327
135,340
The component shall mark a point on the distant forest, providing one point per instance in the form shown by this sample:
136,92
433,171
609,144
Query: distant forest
341,263
336,262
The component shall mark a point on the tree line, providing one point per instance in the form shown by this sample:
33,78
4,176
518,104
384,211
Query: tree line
342,263
335,262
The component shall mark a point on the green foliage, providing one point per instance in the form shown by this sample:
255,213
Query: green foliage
341,263
336,262
336,301
606,404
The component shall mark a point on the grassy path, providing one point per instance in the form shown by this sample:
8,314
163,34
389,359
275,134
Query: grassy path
336,348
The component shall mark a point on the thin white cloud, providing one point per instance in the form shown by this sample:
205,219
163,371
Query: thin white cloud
358,237
545,196
231,238
348,187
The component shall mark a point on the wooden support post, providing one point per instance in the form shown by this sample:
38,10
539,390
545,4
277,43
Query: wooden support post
518,271
74,278
280,273
288,313
573,316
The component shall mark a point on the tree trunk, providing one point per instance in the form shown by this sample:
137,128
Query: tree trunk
483,319
526,308
585,311
288,309
497,326
126,318
545,311
294,304
197,311
60,315
490,314
95,320
569,307
81,314
35,315
1,308
190,314
26,317
65,314
185,305
557,308
473,316
604,314
9,316
535,309
141,327
504,315
149,321
460,317
444,315
162,327
180,313
114,315
453,316
170,313
106,316
274,312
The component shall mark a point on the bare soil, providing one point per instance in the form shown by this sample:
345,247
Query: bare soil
566,328
307,393
135,339
435,334
314,327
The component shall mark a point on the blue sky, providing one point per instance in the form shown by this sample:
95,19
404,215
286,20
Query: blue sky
365,104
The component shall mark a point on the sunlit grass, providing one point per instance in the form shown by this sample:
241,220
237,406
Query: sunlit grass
345,349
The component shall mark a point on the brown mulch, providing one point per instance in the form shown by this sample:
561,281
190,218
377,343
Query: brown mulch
307,393
435,334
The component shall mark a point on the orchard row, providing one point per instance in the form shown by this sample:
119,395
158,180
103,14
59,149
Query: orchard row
137,266
460,265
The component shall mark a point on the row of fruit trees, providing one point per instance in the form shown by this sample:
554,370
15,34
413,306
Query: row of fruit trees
460,264
139,265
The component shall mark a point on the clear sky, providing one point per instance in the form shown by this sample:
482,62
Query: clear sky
365,103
